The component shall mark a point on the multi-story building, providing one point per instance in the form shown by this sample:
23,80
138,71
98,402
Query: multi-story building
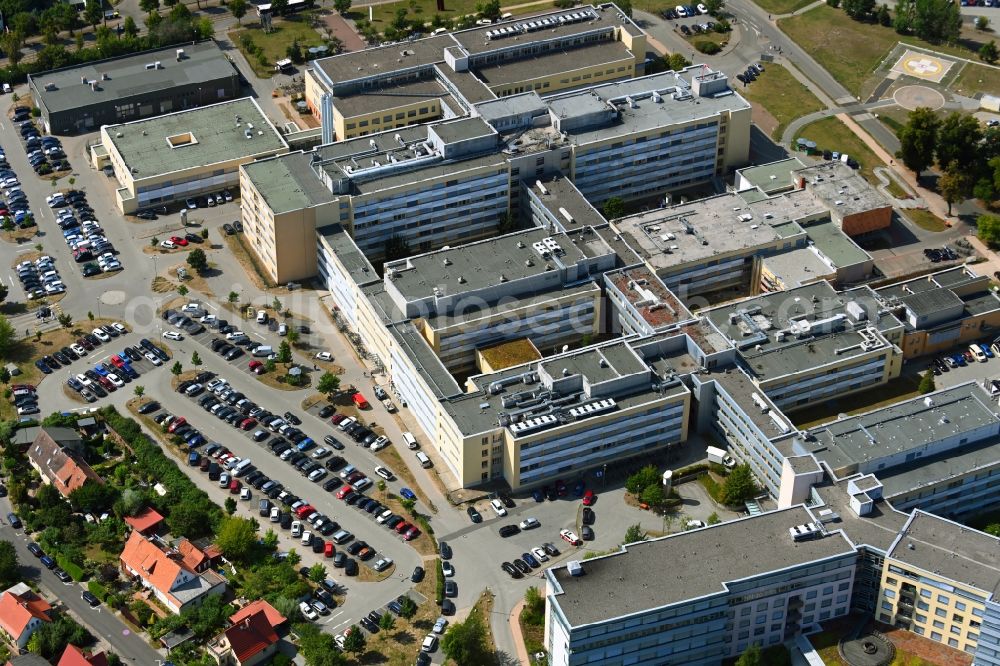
173,157
443,76
811,343
84,97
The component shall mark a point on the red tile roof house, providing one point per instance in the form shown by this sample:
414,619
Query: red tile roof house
21,612
175,585
248,642
74,656
195,558
147,522
61,467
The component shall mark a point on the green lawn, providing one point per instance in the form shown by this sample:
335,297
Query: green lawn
275,43
977,79
850,50
831,134
926,219
782,95
779,7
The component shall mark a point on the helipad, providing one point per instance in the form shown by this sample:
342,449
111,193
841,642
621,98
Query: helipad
923,66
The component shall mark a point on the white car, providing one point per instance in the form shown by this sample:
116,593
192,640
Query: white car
101,335
208,319
384,516
78,350
324,356
570,537
694,524
215,383
540,554
681,12
384,473
308,612
172,335
168,245
153,358
119,327
380,443
702,9
234,334
84,379
498,507
382,564
193,306
319,453
116,380
261,317
447,569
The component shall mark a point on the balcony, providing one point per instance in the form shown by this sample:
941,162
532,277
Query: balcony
904,612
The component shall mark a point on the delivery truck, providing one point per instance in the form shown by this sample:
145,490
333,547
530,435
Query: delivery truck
719,457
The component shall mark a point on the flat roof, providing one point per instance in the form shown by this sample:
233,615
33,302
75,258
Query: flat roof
383,60
507,354
479,265
512,105
831,241
772,177
423,358
799,266
878,529
841,188
348,253
145,145
951,551
947,466
475,40
387,97
661,572
606,52
741,389
561,195
656,304
128,76
288,183
910,425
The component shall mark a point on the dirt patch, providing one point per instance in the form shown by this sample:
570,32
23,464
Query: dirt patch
368,575
27,256
19,236
149,249
162,285
764,120
193,281
275,379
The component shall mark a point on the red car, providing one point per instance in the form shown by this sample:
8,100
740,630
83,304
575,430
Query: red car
177,424
106,383
304,510
234,486
360,402
116,361
402,527
328,549
588,498
22,387
337,418
257,367
246,424
177,240
411,534
342,493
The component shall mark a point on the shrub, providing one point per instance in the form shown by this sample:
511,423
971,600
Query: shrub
439,587
97,590
708,48
70,567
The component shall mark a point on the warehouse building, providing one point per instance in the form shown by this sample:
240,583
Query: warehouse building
170,158
82,98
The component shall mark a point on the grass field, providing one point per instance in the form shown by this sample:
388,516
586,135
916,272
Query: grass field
782,95
275,43
926,220
848,49
977,79
832,134
779,7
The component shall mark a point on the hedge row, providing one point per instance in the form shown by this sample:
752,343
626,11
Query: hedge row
70,567
98,590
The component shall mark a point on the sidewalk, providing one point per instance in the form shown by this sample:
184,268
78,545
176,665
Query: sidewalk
515,630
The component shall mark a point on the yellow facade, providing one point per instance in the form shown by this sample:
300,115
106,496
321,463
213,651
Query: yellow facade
551,83
940,609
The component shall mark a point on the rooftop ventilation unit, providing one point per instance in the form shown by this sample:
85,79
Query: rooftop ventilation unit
541,187
180,54
805,532
575,568
446,261
533,424
593,408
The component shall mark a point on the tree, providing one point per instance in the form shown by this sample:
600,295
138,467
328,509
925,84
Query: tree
8,337
926,382
176,368
613,208
342,6
355,641
318,647
982,23
625,6
276,305
149,6
292,336
10,571
988,229
92,12
230,506
131,29
317,572
294,52
65,320
676,61
154,241
93,497
653,494
955,185
190,519
714,7
918,139
195,359
858,9
11,43
489,9
4,290
197,260
50,638
936,20
284,352
139,390
465,642
328,383
182,290
739,486
236,537
635,533
882,16
638,482
988,52
387,622
233,297
408,607
751,657
957,141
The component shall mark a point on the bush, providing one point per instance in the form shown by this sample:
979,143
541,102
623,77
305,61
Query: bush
70,567
708,48
439,587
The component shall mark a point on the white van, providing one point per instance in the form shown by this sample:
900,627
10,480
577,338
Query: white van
410,441
977,353
263,351
423,459
242,468
347,423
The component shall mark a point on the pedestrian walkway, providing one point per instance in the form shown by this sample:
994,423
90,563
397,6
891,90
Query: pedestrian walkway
515,630
883,175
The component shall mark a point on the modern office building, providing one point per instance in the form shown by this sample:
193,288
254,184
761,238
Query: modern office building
184,154
443,76
84,97
854,204
811,343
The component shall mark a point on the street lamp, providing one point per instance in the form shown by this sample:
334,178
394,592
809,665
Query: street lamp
98,307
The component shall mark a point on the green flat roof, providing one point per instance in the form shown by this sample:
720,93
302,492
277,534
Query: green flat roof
145,145
287,183
835,244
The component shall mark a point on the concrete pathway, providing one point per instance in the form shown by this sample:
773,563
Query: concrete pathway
883,176
515,631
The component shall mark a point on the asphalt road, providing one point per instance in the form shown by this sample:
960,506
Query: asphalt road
101,621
